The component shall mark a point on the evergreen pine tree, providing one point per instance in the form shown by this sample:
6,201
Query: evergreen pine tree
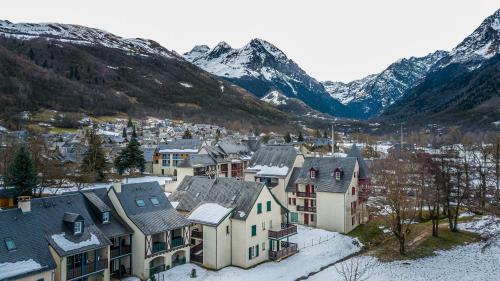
129,123
325,134
300,138
217,135
124,133
134,133
187,135
94,162
288,138
317,134
131,157
21,173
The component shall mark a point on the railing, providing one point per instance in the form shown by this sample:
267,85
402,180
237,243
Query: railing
156,269
306,194
159,246
176,242
306,209
91,267
196,249
286,230
197,234
116,252
287,249
197,258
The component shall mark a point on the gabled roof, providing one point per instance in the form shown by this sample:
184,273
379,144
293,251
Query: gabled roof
364,172
197,160
96,202
324,180
182,145
274,158
150,218
227,192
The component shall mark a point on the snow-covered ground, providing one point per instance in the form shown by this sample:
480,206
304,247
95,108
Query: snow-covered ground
160,180
469,262
312,256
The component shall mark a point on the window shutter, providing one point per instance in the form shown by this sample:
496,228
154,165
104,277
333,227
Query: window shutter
268,206
257,250
250,253
259,208
254,230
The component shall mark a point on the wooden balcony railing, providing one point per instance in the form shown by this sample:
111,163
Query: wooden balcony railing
286,230
306,209
120,251
306,194
287,249
197,234
90,267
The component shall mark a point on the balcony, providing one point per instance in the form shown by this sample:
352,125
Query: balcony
197,234
159,247
120,251
88,268
176,242
285,231
306,209
306,194
287,249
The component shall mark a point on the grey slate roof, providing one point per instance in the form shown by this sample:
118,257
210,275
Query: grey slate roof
183,144
325,180
116,226
293,177
150,219
274,155
227,192
364,171
97,202
197,160
233,148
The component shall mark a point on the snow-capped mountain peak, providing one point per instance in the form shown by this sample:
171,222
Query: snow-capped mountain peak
275,98
77,34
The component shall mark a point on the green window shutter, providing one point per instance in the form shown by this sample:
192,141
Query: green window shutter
268,206
254,230
250,253
257,250
259,208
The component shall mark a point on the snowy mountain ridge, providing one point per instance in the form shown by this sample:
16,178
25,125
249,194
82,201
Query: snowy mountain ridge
82,35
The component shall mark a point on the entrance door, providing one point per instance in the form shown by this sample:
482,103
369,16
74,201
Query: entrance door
306,219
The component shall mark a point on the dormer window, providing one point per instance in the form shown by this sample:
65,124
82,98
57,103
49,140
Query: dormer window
154,201
78,227
105,217
312,173
9,243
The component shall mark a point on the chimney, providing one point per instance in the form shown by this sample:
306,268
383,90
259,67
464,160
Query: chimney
24,203
117,185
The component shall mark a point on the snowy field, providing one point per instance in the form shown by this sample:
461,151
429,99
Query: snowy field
312,256
465,263
160,180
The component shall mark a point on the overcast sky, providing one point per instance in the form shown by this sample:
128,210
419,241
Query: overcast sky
338,40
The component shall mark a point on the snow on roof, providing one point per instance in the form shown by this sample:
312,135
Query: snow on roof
210,213
11,269
270,170
67,245
178,150
174,203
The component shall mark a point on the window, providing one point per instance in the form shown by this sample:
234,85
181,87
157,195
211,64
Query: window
294,201
140,202
263,246
294,217
78,227
254,230
257,250
264,225
353,220
250,253
9,243
155,201
337,175
270,224
289,201
259,208
353,190
268,206
312,217
227,229
312,174
105,217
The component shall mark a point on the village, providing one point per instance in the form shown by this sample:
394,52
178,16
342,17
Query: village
150,199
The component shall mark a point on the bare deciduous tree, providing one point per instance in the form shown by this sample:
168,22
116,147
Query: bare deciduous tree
355,269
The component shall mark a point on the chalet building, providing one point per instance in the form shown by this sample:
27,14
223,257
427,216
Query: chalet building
224,159
168,156
161,237
56,238
273,165
234,222
324,193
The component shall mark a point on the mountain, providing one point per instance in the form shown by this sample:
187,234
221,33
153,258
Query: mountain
262,68
368,96
293,105
73,68
462,88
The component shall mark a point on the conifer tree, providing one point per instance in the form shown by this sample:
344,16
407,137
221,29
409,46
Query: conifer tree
21,173
129,123
130,158
187,135
217,135
94,162
124,133
134,133
288,138
300,137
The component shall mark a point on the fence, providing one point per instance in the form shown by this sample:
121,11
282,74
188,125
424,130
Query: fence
313,242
